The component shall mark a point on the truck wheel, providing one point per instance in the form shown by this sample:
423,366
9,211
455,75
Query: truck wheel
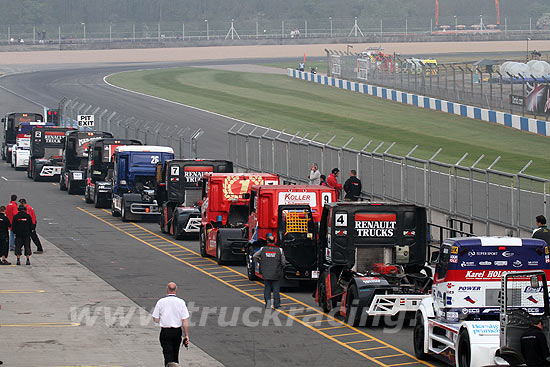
353,313
325,304
250,264
202,243
176,230
418,338
123,211
464,351
219,254
114,213
62,185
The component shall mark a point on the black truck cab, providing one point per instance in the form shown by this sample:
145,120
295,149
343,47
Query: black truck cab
46,150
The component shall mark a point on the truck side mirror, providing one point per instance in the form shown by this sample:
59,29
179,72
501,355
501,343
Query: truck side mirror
434,257
535,282
246,196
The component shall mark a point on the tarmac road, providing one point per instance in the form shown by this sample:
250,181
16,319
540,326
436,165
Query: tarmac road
140,264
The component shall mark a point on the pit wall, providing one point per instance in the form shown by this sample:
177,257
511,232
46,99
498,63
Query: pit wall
502,118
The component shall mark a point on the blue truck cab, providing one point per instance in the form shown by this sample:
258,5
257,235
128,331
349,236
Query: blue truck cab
133,180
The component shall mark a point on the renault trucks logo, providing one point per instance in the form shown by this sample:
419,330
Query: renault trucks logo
193,174
375,225
53,137
296,198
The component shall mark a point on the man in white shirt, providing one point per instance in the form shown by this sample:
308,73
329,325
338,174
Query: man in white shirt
171,313
314,175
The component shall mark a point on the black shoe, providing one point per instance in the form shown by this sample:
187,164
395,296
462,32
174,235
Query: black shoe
5,262
28,262
18,262
39,252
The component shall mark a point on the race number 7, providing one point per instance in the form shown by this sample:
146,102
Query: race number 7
175,171
341,220
155,159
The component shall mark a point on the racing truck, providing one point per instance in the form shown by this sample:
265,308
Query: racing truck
178,193
224,213
75,158
45,161
372,260
459,323
292,214
10,124
133,182
21,150
99,170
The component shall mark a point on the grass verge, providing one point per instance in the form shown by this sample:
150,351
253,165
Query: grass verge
283,103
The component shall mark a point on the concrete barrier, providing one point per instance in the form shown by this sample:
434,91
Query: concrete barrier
502,118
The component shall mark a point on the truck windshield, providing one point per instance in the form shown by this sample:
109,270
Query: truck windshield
50,153
83,142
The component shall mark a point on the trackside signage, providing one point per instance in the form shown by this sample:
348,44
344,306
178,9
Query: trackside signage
85,120
375,225
298,198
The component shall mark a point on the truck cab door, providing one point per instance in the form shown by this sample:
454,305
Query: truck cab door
296,236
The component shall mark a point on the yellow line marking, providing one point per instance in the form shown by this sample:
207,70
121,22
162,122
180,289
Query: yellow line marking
316,322
401,364
388,356
43,324
373,348
218,272
21,291
339,335
361,341
332,327
306,315
287,314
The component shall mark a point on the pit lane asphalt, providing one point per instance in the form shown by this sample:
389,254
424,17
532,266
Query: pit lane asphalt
139,271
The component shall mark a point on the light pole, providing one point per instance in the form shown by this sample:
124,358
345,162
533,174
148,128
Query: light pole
330,18
84,25
527,53
207,35
456,24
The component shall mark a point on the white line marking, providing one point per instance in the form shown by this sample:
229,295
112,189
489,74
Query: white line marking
3,178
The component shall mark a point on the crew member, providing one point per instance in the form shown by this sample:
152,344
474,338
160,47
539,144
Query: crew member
353,187
534,347
22,227
314,175
272,260
11,210
332,181
34,237
171,313
542,232
5,225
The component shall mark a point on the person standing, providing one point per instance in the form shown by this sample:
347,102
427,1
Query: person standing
11,210
353,187
5,225
171,313
534,346
314,175
542,232
272,260
34,237
22,227
323,181
332,181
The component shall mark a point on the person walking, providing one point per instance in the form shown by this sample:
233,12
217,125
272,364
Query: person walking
22,227
353,187
172,314
314,175
272,260
34,237
11,210
5,225
332,181
542,232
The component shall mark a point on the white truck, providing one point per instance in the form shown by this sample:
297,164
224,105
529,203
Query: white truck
460,322
20,151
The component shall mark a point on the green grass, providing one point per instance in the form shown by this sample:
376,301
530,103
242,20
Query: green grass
280,102
321,66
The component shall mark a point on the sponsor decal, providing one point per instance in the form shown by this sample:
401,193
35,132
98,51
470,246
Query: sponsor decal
547,259
530,289
501,263
193,174
452,316
532,299
546,250
473,253
450,285
53,137
294,198
485,329
484,274
370,280
485,263
508,254
469,299
533,263
341,232
467,264
469,288
235,186
375,225
453,259
465,311
449,301
454,250
270,253
517,264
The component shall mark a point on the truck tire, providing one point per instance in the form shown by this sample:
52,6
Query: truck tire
250,264
418,337
202,242
62,185
325,304
114,213
464,351
123,213
219,254
353,314
70,188
176,229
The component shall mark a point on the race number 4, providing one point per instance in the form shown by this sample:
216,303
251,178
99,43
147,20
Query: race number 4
341,219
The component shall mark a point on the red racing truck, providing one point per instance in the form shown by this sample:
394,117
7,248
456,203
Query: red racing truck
224,213
292,214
